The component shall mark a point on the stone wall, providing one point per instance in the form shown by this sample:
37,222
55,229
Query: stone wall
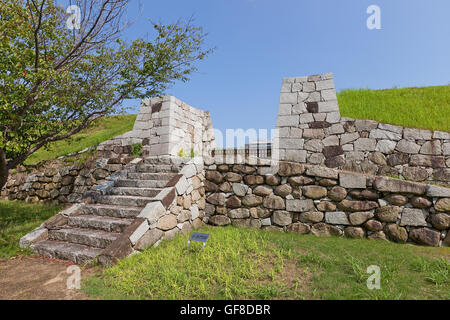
312,131
167,125
55,182
322,201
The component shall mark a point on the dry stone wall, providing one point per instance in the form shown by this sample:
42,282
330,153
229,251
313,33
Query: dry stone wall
311,130
311,199
59,183
166,126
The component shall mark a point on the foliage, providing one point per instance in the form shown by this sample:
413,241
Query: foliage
136,149
54,82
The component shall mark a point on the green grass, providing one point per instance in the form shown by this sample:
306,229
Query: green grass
424,107
101,130
17,219
242,263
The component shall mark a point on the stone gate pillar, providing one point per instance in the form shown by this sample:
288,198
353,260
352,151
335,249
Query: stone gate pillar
308,108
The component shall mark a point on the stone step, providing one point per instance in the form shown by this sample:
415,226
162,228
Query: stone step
164,176
111,210
88,237
141,183
155,168
124,200
140,192
99,222
67,251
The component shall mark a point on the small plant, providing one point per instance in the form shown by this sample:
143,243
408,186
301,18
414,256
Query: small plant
183,154
192,153
136,149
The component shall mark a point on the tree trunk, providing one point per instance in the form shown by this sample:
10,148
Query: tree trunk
3,169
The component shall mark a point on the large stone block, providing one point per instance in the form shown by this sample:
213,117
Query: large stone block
336,217
295,205
350,180
413,217
386,184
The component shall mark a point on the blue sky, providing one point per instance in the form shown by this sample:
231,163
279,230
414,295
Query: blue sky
261,41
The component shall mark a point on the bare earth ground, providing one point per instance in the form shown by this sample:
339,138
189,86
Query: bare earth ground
38,278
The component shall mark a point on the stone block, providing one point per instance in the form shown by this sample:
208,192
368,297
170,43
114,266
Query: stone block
354,181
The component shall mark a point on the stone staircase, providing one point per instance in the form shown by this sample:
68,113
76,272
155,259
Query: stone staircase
84,234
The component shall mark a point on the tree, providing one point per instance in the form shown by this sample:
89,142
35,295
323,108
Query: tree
54,81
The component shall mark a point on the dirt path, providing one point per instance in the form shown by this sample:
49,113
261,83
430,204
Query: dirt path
37,278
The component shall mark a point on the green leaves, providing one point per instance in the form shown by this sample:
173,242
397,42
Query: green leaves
53,84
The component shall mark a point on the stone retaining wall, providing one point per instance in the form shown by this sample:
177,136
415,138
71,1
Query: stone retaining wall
56,183
312,131
323,201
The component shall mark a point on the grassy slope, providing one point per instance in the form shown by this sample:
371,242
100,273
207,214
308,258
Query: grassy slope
102,130
256,264
425,107
16,219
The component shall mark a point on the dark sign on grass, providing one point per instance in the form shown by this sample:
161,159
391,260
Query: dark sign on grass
200,237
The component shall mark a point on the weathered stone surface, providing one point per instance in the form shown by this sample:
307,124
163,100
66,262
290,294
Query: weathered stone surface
283,190
214,176
299,205
431,147
311,216
336,217
397,159
354,232
409,147
272,180
420,160
354,205
300,181
240,213
413,217
337,193
149,239
274,202
350,180
379,235
233,202
386,146
388,213
365,144
396,199
425,236
440,221
420,202
260,213
436,191
262,191
322,172
327,182
217,199
396,233
323,229
167,222
282,218
298,227
373,225
442,205
378,158
326,206
39,234
314,192
287,169
233,177
441,174
386,184
239,189
252,200
219,220
253,180
358,218
415,173
211,186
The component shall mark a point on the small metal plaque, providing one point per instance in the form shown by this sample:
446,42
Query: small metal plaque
200,237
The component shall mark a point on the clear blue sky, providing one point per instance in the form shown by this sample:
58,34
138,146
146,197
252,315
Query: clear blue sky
261,41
